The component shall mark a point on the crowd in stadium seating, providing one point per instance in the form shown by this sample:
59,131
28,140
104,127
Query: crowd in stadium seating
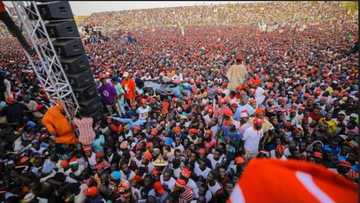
274,14
298,102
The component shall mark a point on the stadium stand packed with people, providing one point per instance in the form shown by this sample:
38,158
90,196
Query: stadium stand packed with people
192,142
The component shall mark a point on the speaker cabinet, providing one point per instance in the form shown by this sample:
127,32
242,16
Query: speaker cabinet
55,10
81,80
68,47
64,29
76,64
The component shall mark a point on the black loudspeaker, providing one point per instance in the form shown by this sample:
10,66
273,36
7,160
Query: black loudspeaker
68,47
85,93
97,115
64,33
62,29
55,10
81,80
75,64
90,106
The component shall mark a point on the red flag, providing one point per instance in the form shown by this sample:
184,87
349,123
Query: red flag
274,181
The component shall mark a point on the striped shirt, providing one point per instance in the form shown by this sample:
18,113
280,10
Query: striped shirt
186,196
86,131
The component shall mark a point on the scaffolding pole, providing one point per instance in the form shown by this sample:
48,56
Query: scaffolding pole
45,62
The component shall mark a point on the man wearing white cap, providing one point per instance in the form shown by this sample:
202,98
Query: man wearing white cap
244,124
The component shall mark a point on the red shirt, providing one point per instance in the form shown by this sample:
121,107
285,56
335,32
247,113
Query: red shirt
314,116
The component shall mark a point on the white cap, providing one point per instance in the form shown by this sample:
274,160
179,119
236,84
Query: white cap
244,114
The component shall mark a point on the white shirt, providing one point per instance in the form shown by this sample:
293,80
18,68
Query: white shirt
252,139
177,172
213,189
180,147
92,160
170,183
213,161
259,95
203,173
137,161
244,127
208,196
143,112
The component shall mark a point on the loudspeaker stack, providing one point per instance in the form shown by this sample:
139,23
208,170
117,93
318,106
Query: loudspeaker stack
62,29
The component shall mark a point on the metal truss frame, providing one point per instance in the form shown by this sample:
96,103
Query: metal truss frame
45,62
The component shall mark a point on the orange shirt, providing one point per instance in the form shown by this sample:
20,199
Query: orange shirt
56,122
129,86
165,107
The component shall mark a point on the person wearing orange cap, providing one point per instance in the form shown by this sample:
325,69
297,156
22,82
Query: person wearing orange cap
143,110
251,137
123,192
90,156
147,160
101,163
176,130
278,153
186,176
237,165
154,132
266,124
227,112
92,195
243,105
182,192
158,193
209,114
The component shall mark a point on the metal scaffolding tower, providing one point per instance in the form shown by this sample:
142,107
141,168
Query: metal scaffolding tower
45,62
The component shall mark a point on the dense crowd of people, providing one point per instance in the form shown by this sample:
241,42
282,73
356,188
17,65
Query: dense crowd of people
299,101
274,14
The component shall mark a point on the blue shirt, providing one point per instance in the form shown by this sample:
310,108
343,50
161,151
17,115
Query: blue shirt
240,108
233,135
328,148
98,144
